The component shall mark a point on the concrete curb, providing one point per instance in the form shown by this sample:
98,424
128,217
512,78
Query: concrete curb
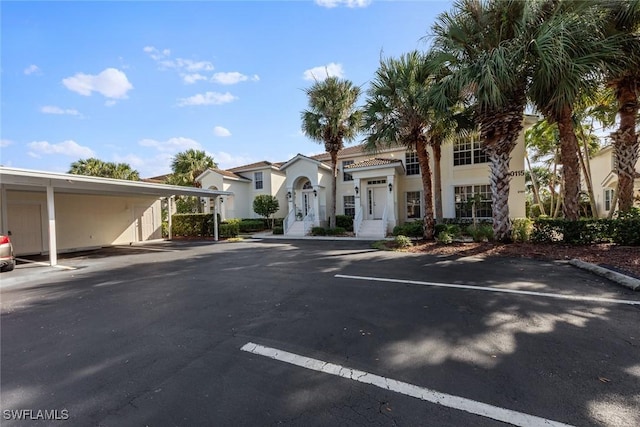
621,279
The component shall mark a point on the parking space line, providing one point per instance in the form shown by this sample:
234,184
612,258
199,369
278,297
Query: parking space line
45,264
432,396
488,289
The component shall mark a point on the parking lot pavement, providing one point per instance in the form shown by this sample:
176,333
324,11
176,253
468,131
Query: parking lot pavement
163,337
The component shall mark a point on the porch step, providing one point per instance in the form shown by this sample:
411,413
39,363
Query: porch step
372,229
296,229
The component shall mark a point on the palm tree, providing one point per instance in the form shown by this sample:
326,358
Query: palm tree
624,22
568,54
188,165
481,43
331,119
397,111
96,167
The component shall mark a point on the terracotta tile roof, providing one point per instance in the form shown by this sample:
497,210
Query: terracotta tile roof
373,162
349,151
160,179
229,174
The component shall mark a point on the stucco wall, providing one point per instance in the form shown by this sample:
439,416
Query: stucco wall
85,221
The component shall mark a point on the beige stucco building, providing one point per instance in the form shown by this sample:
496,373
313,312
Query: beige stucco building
605,180
379,190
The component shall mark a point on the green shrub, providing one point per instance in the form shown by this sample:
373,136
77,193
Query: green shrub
581,232
402,241
480,233
251,225
192,225
439,228
625,228
411,229
278,230
338,231
454,230
344,221
444,238
229,230
318,231
521,229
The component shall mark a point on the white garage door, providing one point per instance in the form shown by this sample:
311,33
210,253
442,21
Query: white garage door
25,224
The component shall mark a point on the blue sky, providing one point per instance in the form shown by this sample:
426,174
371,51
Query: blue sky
137,82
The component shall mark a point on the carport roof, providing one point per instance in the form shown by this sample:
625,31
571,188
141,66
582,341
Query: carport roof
32,180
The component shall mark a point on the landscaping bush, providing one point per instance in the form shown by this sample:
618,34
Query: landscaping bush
625,228
439,228
318,231
480,233
581,232
278,230
252,225
344,221
402,241
338,231
454,230
444,238
228,230
192,225
521,229
410,229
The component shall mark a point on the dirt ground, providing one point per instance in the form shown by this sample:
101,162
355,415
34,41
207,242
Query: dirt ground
624,259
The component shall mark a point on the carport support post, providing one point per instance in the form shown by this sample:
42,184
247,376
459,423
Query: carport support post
215,220
51,210
169,215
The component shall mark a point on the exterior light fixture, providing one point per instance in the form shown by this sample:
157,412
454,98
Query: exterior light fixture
221,200
390,187
289,195
315,193
357,189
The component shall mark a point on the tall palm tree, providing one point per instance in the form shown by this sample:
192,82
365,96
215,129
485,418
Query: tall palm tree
624,21
568,56
96,167
188,165
332,119
482,45
398,111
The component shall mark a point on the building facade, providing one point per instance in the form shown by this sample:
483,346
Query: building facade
380,190
605,181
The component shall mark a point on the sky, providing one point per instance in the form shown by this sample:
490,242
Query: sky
138,82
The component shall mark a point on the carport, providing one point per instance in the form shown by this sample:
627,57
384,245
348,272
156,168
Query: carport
37,183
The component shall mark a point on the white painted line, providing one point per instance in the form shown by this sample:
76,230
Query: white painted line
46,264
448,400
487,289
145,248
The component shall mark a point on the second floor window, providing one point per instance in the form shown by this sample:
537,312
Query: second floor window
346,176
468,153
411,163
257,179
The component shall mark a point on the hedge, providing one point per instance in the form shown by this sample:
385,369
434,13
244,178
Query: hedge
192,225
624,230
344,221
409,229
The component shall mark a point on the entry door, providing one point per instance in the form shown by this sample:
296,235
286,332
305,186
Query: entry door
144,223
376,200
306,202
25,224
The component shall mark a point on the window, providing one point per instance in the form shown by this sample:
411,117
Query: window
257,179
346,176
470,197
350,206
608,198
468,153
411,163
413,205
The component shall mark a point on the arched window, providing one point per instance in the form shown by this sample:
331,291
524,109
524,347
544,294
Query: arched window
307,186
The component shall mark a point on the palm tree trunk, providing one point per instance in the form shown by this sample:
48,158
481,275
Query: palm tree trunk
625,142
500,180
437,180
427,189
534,181
586,170
570,164
332,211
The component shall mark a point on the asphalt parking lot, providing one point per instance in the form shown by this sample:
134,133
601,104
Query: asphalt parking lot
314,333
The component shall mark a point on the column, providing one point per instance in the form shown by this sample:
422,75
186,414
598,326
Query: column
51,210
169,214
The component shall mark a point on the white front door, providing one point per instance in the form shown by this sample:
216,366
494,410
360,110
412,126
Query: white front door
306,202
376,201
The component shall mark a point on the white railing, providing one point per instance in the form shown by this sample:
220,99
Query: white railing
357,222
309,220
385,218
289,220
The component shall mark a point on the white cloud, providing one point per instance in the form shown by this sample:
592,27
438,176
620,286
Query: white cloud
111,83
31,69
109,103
156,54
347,3
232,78
5,143
52,109
227,161
193,78
175,144
220,131
68,148
207,98
322,72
